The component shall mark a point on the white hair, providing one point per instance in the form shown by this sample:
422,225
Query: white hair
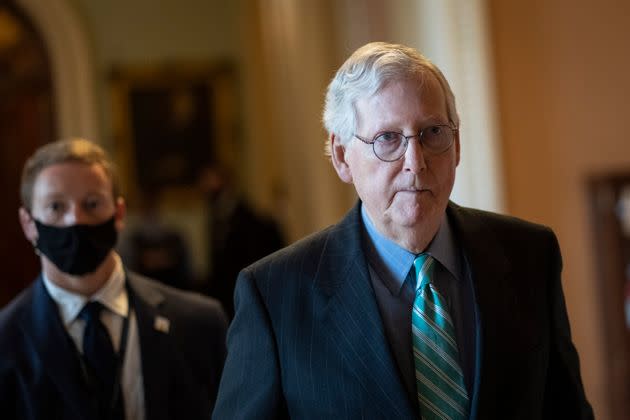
364,73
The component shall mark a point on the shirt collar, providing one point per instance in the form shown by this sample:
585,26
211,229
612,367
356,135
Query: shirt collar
444,249
393,263
388,259
112,295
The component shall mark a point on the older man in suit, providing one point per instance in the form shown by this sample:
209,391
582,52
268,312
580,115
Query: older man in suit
89,340
411,306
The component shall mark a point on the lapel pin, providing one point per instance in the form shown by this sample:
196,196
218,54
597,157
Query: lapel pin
162,324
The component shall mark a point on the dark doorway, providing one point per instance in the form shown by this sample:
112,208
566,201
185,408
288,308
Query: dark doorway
26,122
609,196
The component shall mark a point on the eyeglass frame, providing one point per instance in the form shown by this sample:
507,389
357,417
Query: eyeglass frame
454,130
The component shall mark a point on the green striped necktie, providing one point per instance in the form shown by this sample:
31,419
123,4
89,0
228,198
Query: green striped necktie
439,378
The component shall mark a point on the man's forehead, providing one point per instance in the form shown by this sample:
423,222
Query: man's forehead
72,168
427,90
71,176
423,84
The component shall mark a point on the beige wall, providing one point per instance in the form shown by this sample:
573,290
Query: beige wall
563,71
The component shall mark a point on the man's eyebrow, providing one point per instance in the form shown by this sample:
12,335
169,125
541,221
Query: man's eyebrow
436,119
97,194
51,195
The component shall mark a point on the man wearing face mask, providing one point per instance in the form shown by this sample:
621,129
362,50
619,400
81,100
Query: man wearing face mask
89,340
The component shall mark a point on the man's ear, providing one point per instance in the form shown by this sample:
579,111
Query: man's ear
457,148
28,225
338,157
119,215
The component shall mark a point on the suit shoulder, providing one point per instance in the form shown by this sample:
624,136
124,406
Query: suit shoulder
14,310
182,303
10,320
527,243
287,269
496,222
312,244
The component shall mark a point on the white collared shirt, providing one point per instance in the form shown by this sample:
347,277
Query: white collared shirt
113,295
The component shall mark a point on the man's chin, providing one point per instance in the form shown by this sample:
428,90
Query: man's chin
418,218
411,214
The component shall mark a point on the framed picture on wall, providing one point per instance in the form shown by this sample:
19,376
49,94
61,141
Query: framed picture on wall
169,121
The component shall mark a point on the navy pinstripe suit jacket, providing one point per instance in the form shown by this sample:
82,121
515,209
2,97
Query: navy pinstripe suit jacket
308,342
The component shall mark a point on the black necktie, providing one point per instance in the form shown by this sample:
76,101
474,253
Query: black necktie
102,362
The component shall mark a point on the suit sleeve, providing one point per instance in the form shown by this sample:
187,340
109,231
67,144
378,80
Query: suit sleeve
564,392
250,386
8,397
215,326
14,395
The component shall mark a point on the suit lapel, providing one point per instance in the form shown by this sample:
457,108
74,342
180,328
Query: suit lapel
489,269
153,345
57,353
487,261
353,316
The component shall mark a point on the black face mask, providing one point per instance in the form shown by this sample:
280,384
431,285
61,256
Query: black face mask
76,249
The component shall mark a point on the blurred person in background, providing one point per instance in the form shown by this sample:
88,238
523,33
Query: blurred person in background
155,249
238,234
88,339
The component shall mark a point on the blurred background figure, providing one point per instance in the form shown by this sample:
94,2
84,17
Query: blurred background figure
156,249
238,234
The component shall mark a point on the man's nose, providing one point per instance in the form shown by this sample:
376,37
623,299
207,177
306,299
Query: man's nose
75,216
414,156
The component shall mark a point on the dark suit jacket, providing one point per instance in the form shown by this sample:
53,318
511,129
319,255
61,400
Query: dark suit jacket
40,376
308,341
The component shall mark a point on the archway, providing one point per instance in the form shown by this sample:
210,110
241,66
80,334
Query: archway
26,122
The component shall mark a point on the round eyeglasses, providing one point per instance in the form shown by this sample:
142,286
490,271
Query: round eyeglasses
389,146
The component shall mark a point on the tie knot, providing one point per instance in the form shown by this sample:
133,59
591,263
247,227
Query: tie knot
423,265
91,311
